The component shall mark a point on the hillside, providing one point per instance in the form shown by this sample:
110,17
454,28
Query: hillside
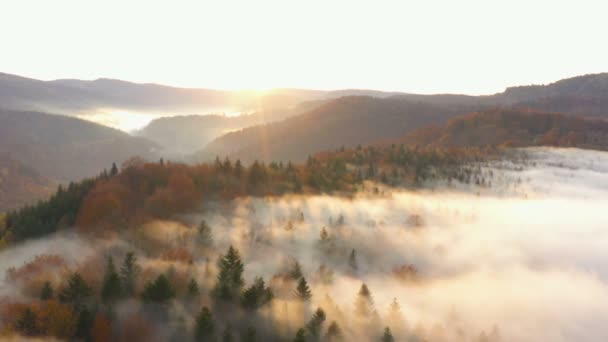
64,148
20,185
186,134
347,121
514,128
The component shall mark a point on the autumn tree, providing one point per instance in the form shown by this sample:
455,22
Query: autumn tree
102,329
230,280
204,329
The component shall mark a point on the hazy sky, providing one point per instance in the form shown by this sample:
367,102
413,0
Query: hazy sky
472,46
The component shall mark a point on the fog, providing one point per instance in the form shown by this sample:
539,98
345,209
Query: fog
522,260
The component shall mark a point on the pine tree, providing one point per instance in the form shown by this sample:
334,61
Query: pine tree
387,336
352,260
364,304
26,324
46,292
205,235
334,333
193,289
394,317
303,292
296,271
230,280
159,290
110,289
314,325
257,295
128,273
300,336
205,326
76,292
113,170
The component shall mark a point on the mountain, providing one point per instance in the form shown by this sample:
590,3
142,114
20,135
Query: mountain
64,148
517,128
20,184
103,96
347,121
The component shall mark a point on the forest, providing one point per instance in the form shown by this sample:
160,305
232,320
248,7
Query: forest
152,279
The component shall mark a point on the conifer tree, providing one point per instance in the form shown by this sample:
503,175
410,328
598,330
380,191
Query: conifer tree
193,289
394,317
296,271
204,329
160,290
230,280
334,333
205,235
110,289
257,295
76,292
352,260
314,325
303,292
387,336
113,170
129,270
364,304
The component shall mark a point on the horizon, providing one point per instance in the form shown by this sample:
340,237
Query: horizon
466,48
269,90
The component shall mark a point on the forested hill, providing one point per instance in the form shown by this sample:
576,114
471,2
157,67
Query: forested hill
517,128
64,148
348,122
143,191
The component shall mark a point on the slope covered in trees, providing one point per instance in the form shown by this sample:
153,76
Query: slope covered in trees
348,122
515,128
20,184
63,148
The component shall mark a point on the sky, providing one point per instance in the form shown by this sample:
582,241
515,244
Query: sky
431,46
